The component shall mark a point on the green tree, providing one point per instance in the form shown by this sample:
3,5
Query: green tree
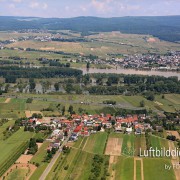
63,110
70,110
142,103
56,86
88,65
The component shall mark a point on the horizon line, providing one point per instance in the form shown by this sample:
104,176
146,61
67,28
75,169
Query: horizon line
88,16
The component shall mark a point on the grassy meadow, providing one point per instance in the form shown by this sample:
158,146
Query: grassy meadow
154,169
96,143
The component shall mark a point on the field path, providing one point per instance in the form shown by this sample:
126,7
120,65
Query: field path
142,170
174,160
85,143
112,161
7,100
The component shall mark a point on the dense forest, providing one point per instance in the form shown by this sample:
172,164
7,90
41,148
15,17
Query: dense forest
163,27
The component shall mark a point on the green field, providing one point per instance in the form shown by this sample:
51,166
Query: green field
140,142
138,170
154,169
19,174
174,98
14,109
8,146
124,168
58,170
157,142
78,163
75,165
128,145
96,143
12,148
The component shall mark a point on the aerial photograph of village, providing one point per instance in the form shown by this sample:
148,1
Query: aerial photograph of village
89,90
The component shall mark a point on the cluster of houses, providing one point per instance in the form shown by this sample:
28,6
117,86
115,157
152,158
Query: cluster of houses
146,61
85,125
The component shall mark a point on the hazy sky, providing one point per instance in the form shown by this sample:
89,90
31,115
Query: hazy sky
101,8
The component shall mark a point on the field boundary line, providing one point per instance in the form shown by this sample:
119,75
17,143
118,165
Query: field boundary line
142,169
85,143
134,169
80,143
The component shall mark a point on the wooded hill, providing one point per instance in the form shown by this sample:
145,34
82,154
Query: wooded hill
164,27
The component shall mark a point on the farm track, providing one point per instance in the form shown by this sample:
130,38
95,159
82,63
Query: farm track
174,161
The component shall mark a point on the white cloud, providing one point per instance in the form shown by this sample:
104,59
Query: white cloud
101,6
84,9
34,5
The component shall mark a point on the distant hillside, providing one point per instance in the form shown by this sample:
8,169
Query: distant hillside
164,27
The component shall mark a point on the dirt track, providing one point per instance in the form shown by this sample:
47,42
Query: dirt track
112,161
175,160
7,100
114,146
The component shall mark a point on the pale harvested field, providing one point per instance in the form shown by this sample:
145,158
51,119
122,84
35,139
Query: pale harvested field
24,159
7,100
173,133
114,146
30,113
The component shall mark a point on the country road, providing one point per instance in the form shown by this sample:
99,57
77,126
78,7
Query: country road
54,159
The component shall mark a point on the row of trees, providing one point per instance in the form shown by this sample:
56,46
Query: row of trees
11,73
108,84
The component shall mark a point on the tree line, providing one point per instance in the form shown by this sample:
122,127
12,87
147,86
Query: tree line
12,73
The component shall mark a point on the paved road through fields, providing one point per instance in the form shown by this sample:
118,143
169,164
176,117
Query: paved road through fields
54,159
